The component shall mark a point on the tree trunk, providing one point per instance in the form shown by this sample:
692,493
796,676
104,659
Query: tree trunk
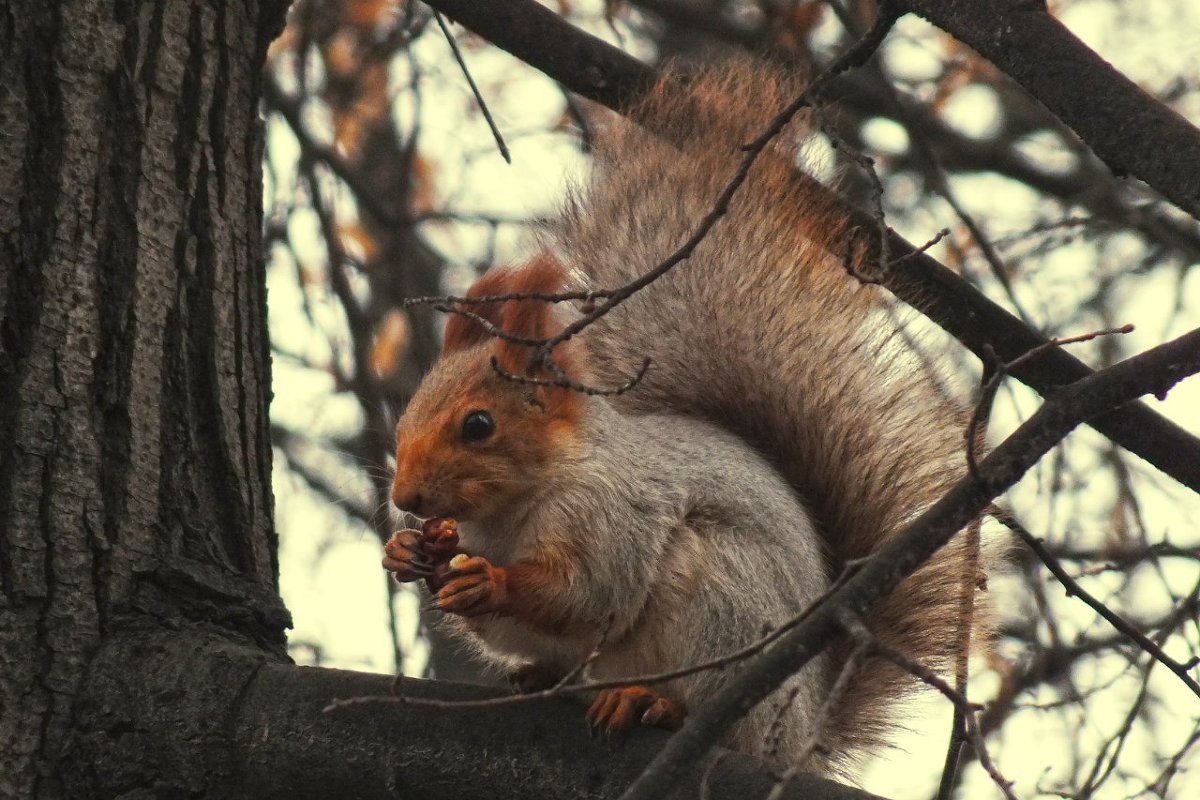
135,485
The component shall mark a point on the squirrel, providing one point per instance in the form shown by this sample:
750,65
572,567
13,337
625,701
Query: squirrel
783,430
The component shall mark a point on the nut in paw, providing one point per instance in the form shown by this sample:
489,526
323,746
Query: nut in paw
439,538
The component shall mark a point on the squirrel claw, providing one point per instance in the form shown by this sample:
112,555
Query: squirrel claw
664,713
614,710
411,573
418,563
439,538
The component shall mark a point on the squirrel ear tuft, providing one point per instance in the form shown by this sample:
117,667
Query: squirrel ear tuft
462,331
530,319
538,320
533,319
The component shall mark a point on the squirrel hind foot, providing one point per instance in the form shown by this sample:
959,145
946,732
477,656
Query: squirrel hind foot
615,711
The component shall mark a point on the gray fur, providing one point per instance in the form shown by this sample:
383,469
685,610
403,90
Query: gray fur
694,544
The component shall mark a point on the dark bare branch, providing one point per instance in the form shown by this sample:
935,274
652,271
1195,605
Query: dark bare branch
1111,113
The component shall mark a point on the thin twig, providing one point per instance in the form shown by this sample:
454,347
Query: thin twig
1001,369
966,622
1073,589
774,736
560,377
591,657
490,328
1172,768
487,114
578,688
590,295
563,381
937,237
812,742
706,778
867,165
856,273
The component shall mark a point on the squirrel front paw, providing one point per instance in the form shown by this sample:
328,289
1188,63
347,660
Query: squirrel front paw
404,558
411,554
472,587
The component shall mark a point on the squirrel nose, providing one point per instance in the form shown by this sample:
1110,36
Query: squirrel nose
407,501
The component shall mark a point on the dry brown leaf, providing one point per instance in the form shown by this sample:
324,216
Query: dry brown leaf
368,110
358,242
423,176
341,53
391,344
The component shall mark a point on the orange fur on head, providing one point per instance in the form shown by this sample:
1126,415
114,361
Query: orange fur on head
437,472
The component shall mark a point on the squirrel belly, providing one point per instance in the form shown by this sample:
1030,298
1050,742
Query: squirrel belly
681,545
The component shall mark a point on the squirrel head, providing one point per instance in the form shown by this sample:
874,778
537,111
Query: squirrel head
473,440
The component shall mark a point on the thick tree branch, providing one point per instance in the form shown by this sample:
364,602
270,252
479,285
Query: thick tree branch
1156,371
1089,184
156,694
1111,113
534,750
546,42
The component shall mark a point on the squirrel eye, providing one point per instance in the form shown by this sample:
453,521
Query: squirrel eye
478,426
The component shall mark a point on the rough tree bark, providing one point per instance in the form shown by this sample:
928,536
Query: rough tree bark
135,487
141,633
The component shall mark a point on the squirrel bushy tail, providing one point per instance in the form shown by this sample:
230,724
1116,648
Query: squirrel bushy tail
765,332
